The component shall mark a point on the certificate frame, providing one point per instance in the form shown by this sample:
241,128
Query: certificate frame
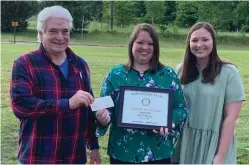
122,112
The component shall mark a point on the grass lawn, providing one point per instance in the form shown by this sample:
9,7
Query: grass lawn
120,37
101,59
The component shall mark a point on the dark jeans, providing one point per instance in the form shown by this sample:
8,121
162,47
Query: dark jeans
162,161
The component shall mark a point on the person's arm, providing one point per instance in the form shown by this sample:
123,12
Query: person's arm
180,110
92,140
95,157
231,112
106,90
23,101
234,95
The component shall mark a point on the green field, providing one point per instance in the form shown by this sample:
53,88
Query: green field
101,35
101,59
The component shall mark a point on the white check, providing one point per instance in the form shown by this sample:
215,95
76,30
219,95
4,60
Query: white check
102,102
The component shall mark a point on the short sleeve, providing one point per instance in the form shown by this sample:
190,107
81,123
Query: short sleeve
178,68
234,88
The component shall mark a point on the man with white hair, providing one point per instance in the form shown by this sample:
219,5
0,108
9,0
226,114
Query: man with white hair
50,93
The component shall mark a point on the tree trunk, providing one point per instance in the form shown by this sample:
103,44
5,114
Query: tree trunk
111,15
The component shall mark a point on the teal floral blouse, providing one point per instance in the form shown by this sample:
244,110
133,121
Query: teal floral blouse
140,145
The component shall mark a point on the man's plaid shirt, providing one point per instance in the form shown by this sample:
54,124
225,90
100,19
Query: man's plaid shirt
50,132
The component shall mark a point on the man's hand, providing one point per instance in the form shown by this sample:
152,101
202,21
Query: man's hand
95,157
103,117
80,98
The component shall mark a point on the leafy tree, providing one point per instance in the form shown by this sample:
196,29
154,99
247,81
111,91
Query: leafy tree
96,8
141,12
155,11
220,14
124,12
242,16
111,15
224,15
106,11
170,12
140,8
18,11
206,11
186,13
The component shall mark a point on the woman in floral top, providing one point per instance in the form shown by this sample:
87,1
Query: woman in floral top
129,145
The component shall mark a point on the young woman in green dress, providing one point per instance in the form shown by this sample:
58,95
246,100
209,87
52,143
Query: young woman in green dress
214,93
130,145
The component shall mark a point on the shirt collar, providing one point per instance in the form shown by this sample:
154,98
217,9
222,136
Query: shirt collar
68,51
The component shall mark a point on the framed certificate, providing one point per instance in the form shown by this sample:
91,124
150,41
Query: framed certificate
144,107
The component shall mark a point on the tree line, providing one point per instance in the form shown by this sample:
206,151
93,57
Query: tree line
224,15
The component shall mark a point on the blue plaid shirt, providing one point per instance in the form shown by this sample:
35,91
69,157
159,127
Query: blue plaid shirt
50,132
